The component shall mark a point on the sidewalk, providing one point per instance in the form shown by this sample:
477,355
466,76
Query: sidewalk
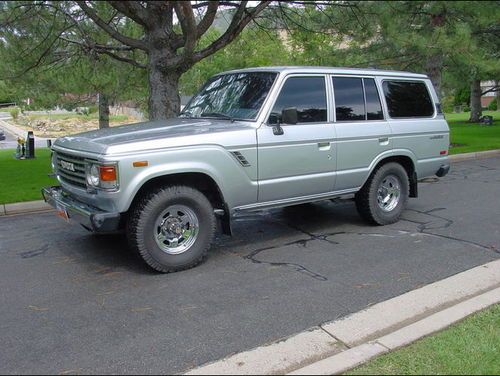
338,346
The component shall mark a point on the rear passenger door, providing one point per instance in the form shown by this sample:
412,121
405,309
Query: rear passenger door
362,131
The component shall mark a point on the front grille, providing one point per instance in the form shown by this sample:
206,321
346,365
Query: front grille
76,177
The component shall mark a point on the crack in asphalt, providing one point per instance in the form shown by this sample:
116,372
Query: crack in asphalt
35,252
423,227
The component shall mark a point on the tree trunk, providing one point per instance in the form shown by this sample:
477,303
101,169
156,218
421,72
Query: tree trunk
164,99
103,111
475,101
434,68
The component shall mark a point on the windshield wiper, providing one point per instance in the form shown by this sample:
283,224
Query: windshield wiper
217,115
187,114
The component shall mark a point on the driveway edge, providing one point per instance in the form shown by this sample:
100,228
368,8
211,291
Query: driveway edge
378,329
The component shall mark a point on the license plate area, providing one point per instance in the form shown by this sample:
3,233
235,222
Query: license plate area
62,212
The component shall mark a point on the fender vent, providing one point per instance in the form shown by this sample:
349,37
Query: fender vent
240,157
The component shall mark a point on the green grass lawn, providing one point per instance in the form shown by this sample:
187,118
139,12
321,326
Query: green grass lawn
471,347
473,137
21,180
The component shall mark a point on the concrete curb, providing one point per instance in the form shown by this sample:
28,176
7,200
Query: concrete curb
364,335
358,355
475,155
24,207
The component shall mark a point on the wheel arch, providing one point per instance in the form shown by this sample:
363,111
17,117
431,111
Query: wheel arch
199,180
404,158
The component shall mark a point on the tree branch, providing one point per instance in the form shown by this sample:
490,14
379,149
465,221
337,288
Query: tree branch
135,43
240,19
187,20
122,58
492,90
208,18
131,9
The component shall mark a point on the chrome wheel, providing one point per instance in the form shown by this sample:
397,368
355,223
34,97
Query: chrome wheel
176,229
389,193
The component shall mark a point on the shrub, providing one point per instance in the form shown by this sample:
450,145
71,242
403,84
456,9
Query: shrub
92,109
14,113
466,109
447,104
493,105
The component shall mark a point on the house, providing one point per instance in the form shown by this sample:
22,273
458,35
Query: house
490,90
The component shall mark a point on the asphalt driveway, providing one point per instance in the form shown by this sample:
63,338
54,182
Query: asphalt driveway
77,303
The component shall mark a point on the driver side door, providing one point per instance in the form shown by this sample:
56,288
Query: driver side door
301,161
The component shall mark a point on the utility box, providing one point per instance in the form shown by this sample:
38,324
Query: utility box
30,145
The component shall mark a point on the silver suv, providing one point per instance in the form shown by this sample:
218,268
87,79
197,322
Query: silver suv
253,139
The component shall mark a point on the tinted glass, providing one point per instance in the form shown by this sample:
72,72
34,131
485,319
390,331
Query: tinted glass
407,99
307,94
237,95
373,106
349,98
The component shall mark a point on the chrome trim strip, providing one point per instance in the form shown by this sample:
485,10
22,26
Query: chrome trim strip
295,200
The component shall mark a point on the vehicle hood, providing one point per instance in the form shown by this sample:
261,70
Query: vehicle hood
155,135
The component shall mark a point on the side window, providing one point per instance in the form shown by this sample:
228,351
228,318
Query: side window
407,99
349,98
373,106
352,103
307,94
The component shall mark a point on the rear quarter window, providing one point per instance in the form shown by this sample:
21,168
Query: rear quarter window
406,99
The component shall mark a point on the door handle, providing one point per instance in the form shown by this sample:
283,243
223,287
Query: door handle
324,145
383,140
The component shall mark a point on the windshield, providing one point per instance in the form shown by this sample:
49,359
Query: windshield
231,96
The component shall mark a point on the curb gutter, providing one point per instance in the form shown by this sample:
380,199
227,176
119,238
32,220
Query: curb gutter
24,207
36,206
343,344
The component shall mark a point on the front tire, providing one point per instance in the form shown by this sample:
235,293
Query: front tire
384,196
172,228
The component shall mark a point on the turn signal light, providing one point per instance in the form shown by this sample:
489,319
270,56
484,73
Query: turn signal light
107,173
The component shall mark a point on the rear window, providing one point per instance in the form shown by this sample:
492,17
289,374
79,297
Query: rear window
407,99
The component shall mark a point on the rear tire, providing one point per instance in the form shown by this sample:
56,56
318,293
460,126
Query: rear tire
384,196
172,228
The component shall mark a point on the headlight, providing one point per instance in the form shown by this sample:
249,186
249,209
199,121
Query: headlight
93,176
102,176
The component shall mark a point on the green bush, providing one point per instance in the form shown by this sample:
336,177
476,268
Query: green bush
447,104
493,105
462,96
14,113
466,109
92,109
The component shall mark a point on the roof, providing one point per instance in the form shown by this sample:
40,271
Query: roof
331,70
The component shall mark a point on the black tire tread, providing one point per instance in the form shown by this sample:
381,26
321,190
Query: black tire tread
136,223
368,191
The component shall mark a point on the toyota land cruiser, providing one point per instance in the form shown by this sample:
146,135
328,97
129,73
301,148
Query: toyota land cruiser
253,139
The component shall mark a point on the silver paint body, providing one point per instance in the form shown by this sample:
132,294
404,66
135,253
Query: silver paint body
308,162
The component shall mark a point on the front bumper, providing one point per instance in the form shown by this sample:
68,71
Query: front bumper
443,170
92,218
